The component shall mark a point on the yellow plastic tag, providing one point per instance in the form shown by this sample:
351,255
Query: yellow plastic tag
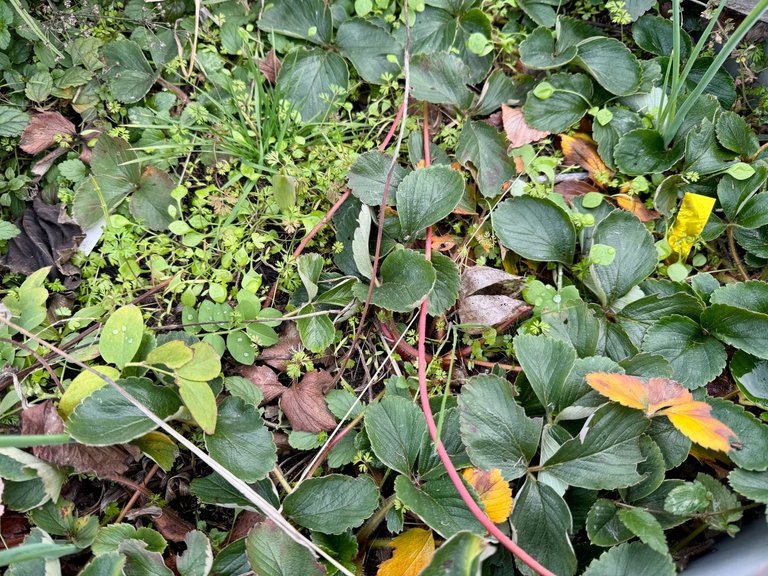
691,219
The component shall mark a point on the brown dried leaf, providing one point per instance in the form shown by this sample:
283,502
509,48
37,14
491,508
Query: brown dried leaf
41,132
48,237
580,150
13,529
42,166
278,355
265,380
172,526
103,461
487,297
269,66
637,207
245,521
517,130
304,403
569,189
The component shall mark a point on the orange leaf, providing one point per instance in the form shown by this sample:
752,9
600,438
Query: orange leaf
665,397
413,551
580,150
569,189
493,490
625,390
517,130
443,243
637,207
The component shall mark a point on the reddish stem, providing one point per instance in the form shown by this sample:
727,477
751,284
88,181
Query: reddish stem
477,512
323,222
394,126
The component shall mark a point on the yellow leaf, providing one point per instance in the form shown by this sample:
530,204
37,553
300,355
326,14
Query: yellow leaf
691,219
413,551
665,397
83,385
580,150
493,490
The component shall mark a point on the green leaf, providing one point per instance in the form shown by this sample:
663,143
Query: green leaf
200,401
543,523
642,151
39,87
696,358
752,485
284,190
724,508
654,34
751,376
634,558
106,417
368,175
743,329
121,336
272,552
736,135
752,434
317,332
652,469
240,347
687,499
142,562
446,289
638,316
12,121
603,525
538,50
721,86
406,277
486,149
611,63
173,354
109,564
439,505
361,253
565,107
129,74
197,559
536,228
213,489
309,267
460,555
644,525
395,427
150,203
232,559
204,366
308,78
703,154
29,481
8,230
546,363
425,197
369,47
241,443
494,427
116,174
333,503
673,445
441,78
309,20
607,135
606,454
635,256
159,447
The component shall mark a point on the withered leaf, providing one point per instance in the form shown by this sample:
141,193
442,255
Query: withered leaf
637,207
265,380
278,355
172,526
103,461
48,237
43,131
517,130
269,66
304,403
569,189
42,166
580,150
487,297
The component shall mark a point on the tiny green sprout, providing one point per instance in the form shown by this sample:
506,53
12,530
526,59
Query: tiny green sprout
692,176
544,91
312,30
677,271
604,116
479,44
663,249
602,254
592,200
699,260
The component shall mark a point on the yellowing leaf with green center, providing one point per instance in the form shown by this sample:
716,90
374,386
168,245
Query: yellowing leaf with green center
662,396
205,364
121,336
174,354
493,490
81,386
413,551
691,219
200,401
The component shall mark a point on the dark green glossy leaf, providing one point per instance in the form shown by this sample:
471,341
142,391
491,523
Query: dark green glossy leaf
395,427
446,289
331,504
368,176
752,485
129,74
736,135
603,525
494,427
369,48
546,363
308,80
150,203
633,558
645,526
654,34
565,107
607,136
407,278
272,552
752,434
309,20
611,63
642,151
751,376
485,149
441,78
460,555
743,329
242,443
703,154
535,228
426,196
538,50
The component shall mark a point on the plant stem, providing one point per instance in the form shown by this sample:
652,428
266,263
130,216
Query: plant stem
29,440
373,522
735,254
